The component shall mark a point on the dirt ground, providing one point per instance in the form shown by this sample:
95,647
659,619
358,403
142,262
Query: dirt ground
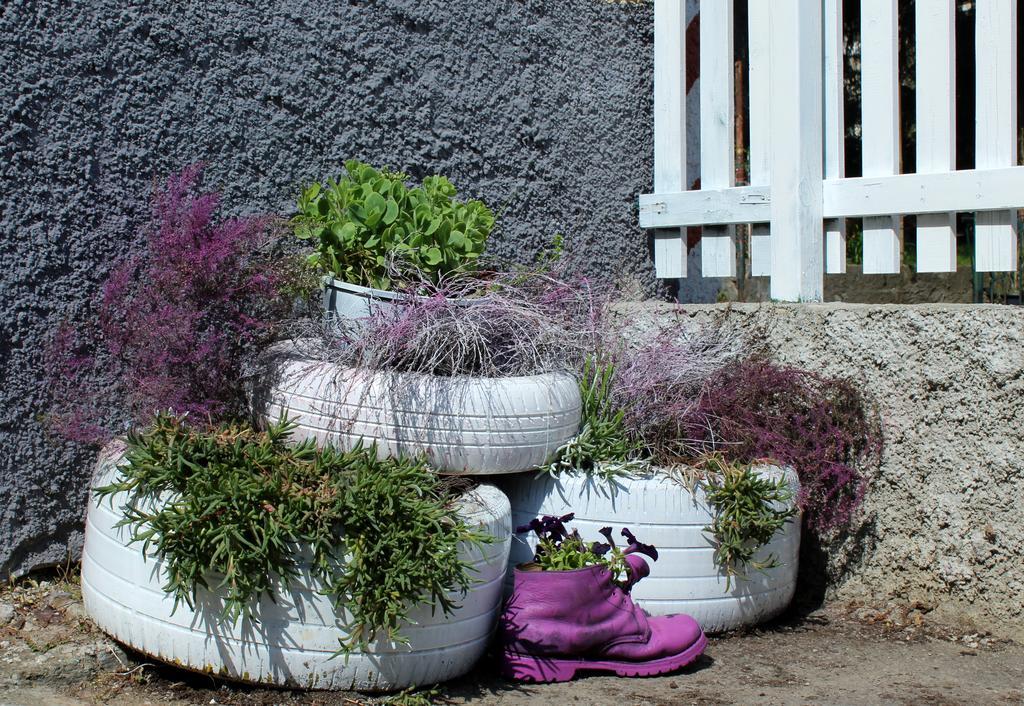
51,654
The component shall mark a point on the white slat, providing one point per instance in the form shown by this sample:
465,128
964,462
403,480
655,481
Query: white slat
796,149
759,78
738,204
963,190
669,127
936,125
760,250
717,146
880,124
833,89
995,233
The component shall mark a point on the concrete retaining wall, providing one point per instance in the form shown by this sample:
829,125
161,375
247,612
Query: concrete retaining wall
943,523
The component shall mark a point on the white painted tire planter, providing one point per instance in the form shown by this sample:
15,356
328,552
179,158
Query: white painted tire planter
292,643
464,425
685,579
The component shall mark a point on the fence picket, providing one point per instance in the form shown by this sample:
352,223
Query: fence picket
995,233
796,149
717,145
759,78
936,125
669,128
833,94
880,124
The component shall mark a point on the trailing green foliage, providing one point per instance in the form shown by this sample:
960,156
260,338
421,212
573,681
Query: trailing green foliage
239,508
602,447
749,508
413,696
367,224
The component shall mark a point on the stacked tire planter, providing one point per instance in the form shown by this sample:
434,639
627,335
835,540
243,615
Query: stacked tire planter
672,517
466,426
463,425
293,640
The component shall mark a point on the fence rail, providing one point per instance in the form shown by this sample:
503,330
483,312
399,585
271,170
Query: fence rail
799,195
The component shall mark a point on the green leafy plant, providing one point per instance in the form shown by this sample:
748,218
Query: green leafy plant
367,225
558,549
234,506
749,508
603,447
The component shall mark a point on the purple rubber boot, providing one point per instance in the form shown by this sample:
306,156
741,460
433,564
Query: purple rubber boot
557,623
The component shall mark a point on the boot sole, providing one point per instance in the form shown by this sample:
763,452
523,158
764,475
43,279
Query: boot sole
546,669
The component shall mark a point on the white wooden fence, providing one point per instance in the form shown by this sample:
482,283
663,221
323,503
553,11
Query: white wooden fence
798,194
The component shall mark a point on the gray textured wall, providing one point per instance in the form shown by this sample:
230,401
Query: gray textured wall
943,522
541,107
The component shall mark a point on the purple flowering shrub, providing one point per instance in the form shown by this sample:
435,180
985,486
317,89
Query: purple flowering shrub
694,393
658,388
174,321
559,549
822,426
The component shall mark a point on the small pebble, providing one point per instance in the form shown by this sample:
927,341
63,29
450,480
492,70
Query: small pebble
58,600
6,613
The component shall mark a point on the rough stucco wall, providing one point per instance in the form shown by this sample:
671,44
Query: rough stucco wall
541,107
943,522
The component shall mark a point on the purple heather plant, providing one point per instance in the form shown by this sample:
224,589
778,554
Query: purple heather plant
693,393
175,321
658,387
822,426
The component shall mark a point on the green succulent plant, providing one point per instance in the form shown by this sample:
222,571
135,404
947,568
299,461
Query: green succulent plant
367,224
603,447
749,508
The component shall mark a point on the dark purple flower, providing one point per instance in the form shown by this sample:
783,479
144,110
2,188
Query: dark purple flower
554,527
534,525
636,547
548,527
